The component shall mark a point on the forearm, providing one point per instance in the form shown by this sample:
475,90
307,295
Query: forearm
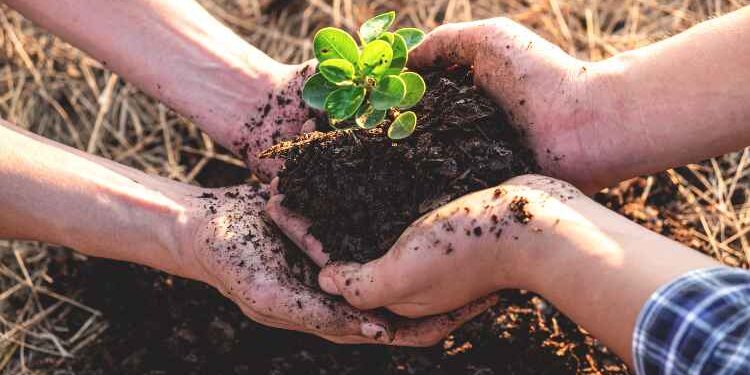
599,268
51,194
678,101
171,49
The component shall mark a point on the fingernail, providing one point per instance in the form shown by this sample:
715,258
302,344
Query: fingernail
327,284
375,331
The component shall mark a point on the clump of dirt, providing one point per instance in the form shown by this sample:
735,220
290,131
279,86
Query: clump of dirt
361,190
520,212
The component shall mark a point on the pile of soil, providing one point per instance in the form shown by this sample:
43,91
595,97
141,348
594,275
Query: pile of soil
160,324
361,190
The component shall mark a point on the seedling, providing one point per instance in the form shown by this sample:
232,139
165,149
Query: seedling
369,80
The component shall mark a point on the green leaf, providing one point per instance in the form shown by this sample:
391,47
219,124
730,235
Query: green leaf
403,126
387,37
338,71
368,117
372,28
333,43
316,90
415,88
344,102
388,92
400,55
412,36
376,58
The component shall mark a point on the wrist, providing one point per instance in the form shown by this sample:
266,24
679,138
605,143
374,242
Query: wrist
186,230
233,89
542,225
604,135
571,235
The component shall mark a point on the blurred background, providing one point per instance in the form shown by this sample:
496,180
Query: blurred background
61,313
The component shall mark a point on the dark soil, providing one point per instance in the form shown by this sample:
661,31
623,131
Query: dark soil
161,324
361,190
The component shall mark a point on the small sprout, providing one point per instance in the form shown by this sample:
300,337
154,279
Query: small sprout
366,81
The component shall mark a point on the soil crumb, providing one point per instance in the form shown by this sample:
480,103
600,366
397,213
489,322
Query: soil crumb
519,207
361,190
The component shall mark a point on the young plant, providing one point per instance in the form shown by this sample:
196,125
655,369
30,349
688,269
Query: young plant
366,81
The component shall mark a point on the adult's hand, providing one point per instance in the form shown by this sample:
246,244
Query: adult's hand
674,102
546,92
242,98
228,244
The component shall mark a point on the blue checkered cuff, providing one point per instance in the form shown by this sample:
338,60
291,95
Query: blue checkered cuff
696,324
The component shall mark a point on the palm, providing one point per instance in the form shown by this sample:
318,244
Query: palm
244,257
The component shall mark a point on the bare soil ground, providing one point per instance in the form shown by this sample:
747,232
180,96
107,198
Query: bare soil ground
61,313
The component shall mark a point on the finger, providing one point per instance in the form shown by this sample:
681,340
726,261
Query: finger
297,229
310,310
429,331
363,285
456,43
272,321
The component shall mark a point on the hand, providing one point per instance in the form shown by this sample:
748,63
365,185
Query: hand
554,98
233,248
458,253
280,115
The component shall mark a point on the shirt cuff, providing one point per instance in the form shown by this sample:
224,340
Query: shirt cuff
688,323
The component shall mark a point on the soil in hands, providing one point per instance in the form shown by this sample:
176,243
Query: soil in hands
361,190
167,325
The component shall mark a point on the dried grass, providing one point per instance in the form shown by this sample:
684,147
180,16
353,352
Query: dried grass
54,90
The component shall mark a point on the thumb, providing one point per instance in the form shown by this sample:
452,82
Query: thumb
454,43
362,285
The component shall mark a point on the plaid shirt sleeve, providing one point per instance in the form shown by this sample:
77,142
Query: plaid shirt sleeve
697,324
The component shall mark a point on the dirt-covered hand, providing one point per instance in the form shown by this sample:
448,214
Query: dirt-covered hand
282,115
242,255
455,254
545,91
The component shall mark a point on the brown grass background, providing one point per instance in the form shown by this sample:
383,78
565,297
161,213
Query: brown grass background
52,89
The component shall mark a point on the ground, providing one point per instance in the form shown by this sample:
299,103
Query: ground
62,313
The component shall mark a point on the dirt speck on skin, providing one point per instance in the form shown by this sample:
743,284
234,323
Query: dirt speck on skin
361,190
519,207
